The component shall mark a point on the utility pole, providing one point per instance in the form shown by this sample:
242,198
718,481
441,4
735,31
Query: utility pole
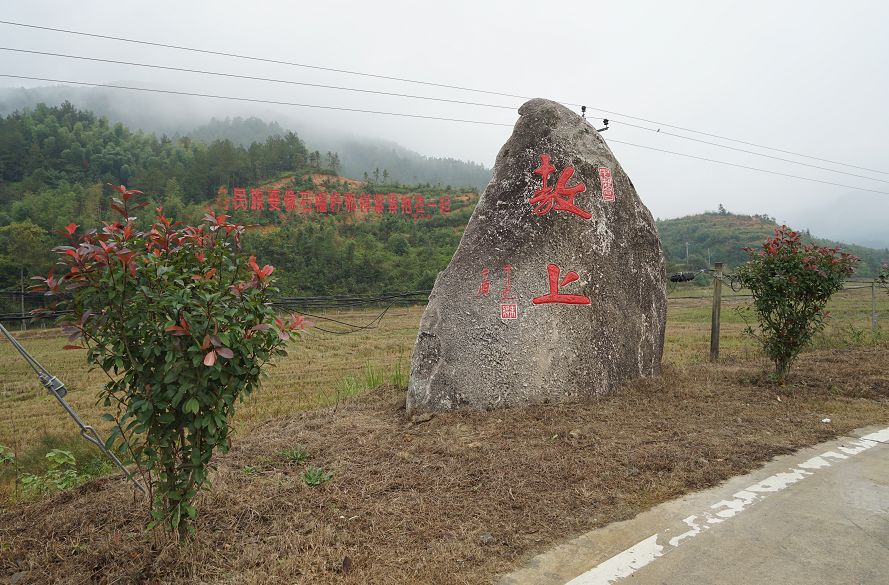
686,254
717,309
709,264
22,284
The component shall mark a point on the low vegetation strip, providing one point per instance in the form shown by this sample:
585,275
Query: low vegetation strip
376,498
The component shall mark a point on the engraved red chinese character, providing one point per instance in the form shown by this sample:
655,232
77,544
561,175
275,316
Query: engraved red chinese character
561,197
506,293
554,296
484,288
364,202
336,202
274,200
321,202
257,199
407,205
607,184
239,200
420,205
289,200
305,201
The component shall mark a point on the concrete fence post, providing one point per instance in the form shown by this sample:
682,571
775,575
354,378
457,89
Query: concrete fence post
717,309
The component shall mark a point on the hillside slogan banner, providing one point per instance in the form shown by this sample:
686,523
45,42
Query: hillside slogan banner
414,205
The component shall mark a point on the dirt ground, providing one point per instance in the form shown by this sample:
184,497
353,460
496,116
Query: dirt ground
460,498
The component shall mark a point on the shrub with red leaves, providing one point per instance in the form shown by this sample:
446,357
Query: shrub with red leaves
182,324
791,284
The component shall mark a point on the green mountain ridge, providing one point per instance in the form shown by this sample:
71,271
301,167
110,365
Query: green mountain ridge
722,237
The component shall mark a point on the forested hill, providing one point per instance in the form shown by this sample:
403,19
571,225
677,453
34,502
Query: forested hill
360,158
193,119
725,235
56,164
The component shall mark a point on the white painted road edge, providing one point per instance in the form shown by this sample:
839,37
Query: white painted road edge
646,551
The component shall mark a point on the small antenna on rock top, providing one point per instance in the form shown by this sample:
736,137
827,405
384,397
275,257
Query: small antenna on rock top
583,112
604,121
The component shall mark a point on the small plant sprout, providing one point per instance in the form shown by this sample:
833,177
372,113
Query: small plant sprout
61,474
296,454
315,476
6,456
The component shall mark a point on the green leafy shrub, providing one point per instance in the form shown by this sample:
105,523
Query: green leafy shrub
883,276
181,323
791,284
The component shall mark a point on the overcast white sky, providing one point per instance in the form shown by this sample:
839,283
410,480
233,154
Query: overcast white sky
809,77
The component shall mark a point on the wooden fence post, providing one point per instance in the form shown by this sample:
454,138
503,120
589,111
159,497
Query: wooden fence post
873,307
717,309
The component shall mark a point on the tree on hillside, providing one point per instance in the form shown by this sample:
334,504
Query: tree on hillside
333,161
26,245
172,201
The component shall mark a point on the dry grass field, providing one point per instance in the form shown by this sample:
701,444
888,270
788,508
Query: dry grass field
458,499
323,368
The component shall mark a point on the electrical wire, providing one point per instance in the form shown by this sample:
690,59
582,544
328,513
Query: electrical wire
255,100
255,78
740,166
787,160
419,97
426,83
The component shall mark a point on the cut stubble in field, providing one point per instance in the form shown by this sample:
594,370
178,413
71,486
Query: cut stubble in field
464,496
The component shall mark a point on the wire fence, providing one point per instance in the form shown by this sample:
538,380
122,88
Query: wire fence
309,306
312,307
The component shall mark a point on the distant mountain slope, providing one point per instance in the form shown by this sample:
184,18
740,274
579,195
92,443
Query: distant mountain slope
357,155
407,166
206,122
725,235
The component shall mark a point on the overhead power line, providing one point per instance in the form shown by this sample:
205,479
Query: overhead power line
254,100
255,78
787,160
261,59
282,103
740,166
418,97
427,83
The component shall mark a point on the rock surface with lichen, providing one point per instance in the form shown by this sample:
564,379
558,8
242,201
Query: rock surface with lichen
580,271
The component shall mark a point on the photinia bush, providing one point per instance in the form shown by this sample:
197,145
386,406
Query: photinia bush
791,284
883,277
181,323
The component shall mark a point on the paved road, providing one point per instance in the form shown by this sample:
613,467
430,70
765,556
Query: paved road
820,516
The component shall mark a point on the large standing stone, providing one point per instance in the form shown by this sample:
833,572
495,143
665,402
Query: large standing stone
555,291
